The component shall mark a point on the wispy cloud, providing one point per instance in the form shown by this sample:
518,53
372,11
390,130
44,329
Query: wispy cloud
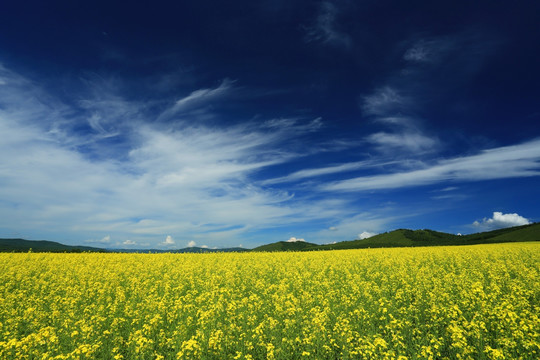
309,173
388,107
314,174
433,49
59,180
421,83
462,48
517,161
198,99
326,30
410,141
419,53
386,102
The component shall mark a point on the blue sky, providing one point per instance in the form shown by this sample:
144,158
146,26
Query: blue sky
173,124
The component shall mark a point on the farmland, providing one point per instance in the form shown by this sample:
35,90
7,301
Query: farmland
460,302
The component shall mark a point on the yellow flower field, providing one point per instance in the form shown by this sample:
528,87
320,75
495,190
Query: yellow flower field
475,302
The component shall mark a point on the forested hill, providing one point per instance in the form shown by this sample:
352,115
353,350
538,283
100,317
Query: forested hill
408,238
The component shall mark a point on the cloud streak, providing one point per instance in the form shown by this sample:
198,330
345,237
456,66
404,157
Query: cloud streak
521,160
310,173
198,99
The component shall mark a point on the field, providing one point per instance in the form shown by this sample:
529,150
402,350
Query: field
461,302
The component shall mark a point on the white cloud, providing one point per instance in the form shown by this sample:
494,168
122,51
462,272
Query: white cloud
129,242
191,243
505,162
500,220
293,239
204,246
333,228
366,234
168,241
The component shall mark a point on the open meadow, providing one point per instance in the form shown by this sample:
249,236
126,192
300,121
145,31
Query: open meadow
461,302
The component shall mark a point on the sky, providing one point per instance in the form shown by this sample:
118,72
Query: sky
168,124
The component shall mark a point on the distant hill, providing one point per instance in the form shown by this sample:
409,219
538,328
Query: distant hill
396,238
21,245
286,246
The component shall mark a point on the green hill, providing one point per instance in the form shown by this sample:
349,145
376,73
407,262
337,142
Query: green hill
286,246
529,232
21,245
407,238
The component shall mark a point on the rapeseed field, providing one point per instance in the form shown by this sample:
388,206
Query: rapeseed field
470,302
